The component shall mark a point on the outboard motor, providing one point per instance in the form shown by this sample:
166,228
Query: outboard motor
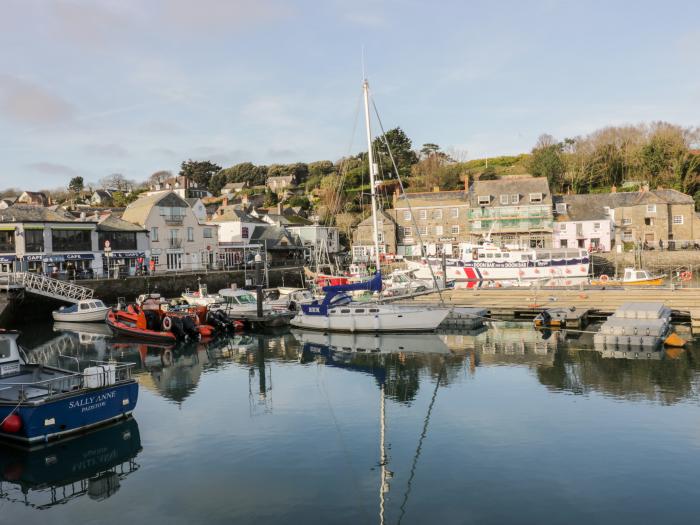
176,327
224,320
190,328
152,320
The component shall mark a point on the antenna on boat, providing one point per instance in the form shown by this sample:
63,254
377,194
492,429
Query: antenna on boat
372,172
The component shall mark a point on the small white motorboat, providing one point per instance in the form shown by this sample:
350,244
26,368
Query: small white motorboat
87,310
201,297
236,301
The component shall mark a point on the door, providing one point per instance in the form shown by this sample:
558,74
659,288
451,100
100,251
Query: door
174,261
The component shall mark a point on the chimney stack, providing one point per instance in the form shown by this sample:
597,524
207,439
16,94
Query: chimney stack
279,208
224,202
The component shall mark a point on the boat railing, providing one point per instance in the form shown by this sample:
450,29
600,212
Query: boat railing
67,382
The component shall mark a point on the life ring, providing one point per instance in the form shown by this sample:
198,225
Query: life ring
167,323
604,278
686,276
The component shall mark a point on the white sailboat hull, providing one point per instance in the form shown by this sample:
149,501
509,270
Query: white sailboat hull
387,318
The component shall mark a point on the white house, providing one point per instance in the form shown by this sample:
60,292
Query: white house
179,241
317,236
235,233
198,207
582,222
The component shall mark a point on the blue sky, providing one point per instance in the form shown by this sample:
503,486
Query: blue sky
134,86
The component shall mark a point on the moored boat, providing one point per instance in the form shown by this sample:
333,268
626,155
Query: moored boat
87,310
41,403
631,277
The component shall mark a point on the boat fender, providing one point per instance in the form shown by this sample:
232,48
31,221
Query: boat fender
604,278
11,424
674,340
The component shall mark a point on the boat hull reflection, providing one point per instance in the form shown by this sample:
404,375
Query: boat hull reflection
92,464
372,343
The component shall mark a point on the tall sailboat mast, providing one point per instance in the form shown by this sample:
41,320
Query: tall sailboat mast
372,175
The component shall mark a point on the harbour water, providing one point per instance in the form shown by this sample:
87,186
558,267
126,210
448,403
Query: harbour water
499,426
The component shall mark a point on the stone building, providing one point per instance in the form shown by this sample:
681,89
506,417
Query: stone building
281,183
582,221
363,239
515,211
437,219
661,215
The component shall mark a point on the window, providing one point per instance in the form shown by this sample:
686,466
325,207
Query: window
454,229
7,241
438,230
678,219
606,209
437,214
175,241
564,243
484,199
515,198
407,215
562,227
476,225
117,240
504,199
454,213
155,259
154,233
190,234
651,208
535,197
649,221
596,226
244,232
423,230
423,214
561,207
71,240
206,233
380,236
407,231
627,236
33,241
626,222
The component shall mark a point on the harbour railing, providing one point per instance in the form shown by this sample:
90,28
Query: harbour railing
47,286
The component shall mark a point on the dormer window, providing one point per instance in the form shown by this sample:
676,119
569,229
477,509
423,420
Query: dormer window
535,197
484,199
515,198
504,199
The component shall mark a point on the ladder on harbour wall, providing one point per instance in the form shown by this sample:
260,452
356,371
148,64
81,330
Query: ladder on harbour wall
48,287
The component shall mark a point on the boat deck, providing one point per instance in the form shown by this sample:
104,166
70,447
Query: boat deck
36,383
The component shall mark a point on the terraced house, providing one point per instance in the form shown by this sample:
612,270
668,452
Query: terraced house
515,211
437,219
178,240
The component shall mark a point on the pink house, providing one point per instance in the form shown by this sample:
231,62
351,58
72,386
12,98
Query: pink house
581,221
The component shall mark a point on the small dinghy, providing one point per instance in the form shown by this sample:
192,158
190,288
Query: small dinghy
87,310
39,403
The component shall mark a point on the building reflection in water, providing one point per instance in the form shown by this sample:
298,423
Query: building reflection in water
93,465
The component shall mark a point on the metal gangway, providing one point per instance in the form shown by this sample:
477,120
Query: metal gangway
48,287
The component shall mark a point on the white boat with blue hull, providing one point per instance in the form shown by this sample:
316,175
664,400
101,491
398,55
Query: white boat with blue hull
41,403
337,312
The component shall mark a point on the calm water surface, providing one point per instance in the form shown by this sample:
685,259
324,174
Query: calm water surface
496,427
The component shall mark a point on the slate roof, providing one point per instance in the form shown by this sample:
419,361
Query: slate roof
581,208
137,212
523,186
275,238
29,213
434,195
111,223
234,214
235,186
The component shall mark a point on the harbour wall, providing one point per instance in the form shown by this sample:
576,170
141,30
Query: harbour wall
21,309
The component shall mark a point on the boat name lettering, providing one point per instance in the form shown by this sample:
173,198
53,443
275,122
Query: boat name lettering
314,309
92,402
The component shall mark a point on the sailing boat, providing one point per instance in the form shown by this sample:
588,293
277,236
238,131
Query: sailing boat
337,312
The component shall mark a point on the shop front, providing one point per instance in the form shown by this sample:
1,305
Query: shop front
70,266
34,263
123,263
7,263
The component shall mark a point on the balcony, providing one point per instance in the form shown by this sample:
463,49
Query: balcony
173,220
175,244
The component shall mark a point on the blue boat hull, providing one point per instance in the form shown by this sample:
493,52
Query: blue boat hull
70,413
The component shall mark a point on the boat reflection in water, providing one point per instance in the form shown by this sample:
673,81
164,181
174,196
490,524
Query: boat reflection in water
93,464
384,343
